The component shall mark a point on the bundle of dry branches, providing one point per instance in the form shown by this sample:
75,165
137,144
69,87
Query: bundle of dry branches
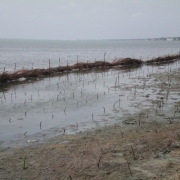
126,62
122,62
164,59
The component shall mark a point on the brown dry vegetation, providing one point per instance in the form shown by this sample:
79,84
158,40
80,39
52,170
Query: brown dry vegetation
34,73
163,59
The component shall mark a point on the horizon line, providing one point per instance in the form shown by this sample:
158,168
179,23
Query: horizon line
108,39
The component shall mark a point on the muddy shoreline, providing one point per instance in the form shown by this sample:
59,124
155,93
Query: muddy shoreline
145,146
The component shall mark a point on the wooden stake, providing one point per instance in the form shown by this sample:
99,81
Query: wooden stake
49,65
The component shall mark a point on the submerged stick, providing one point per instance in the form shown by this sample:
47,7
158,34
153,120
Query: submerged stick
115,103
40,125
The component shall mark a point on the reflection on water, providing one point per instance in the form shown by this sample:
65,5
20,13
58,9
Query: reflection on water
73,102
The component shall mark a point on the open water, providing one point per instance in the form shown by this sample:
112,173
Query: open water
36,53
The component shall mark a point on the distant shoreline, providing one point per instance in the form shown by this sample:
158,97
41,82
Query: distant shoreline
134,39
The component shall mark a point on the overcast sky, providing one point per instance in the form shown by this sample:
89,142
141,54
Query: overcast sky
89,19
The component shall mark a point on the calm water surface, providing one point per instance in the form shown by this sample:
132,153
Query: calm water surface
36,53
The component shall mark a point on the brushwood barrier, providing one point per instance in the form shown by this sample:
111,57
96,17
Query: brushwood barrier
6,76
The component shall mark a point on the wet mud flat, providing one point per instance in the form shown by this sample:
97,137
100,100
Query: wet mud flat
144,144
